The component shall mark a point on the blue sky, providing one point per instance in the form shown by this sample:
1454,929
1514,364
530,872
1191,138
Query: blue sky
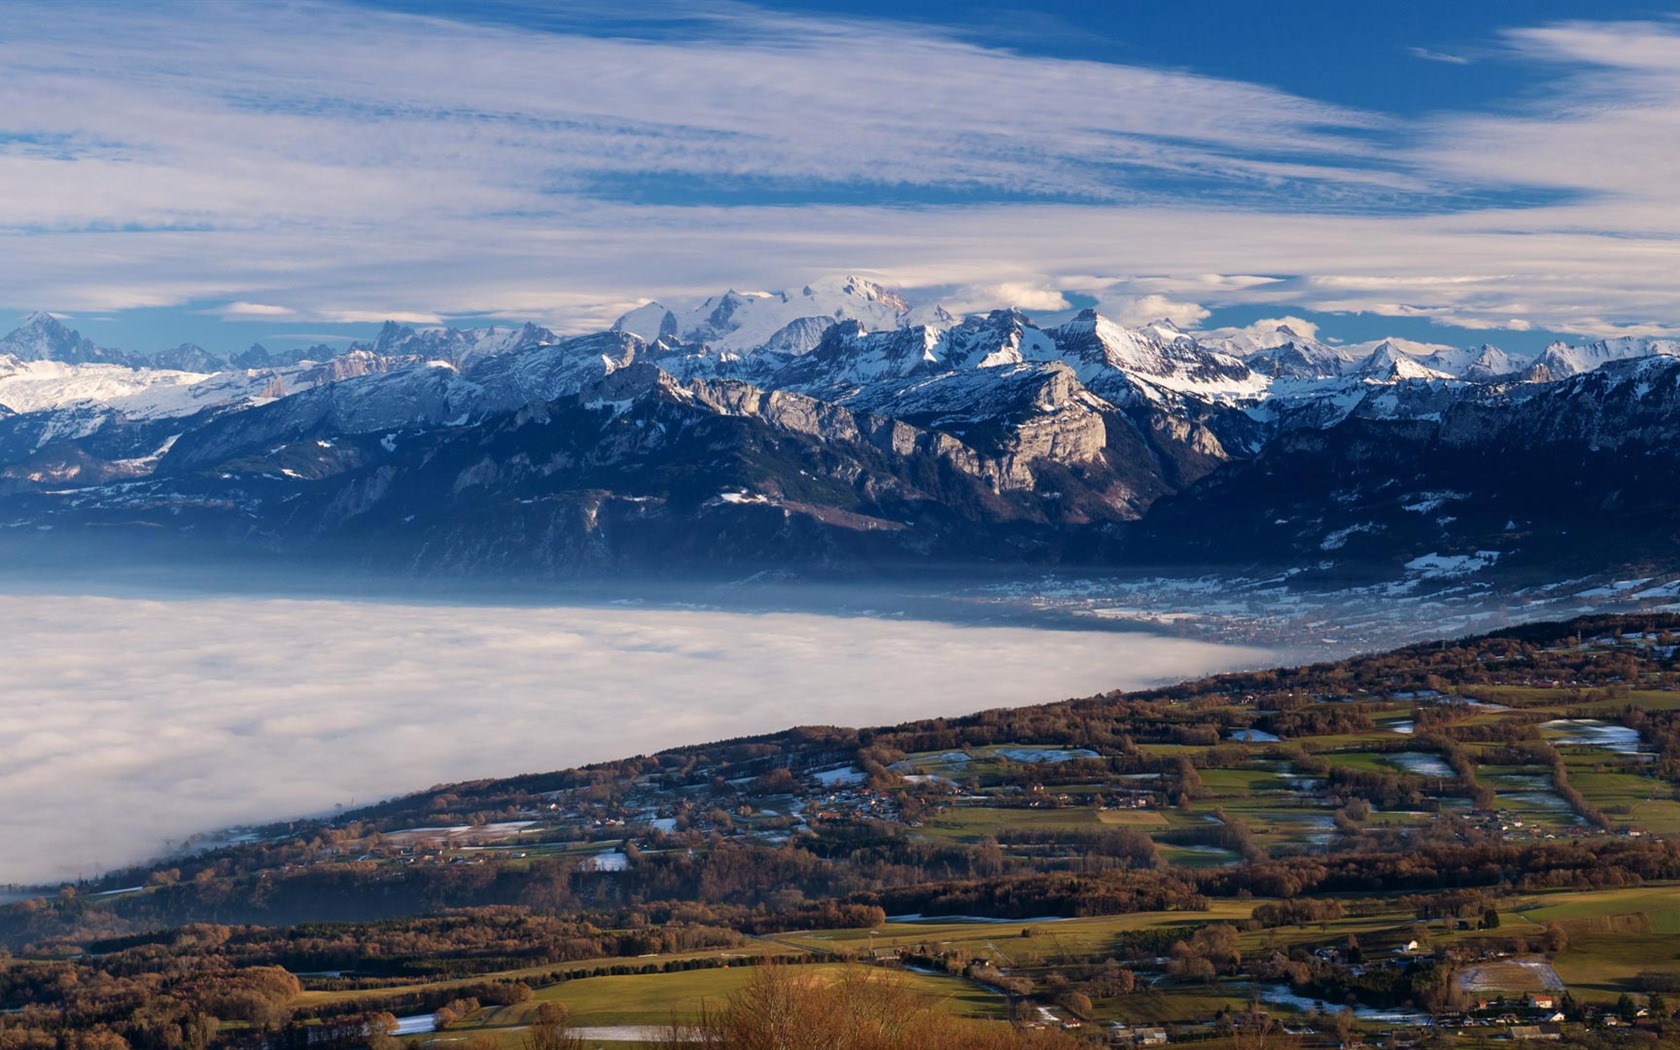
1449,172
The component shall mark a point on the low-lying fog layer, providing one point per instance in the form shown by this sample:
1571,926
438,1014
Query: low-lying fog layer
130,722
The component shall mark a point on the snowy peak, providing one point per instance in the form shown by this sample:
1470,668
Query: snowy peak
1001,338
1165,330
1409,347
258,356
189,357
1391,359
790,321
800,335
720,314
932,314
830,288
1453,360
1299,358
1262,335
650,323
1490,362
1561,360
43,337
459,347
1095,345
1389,364
391,337
849,357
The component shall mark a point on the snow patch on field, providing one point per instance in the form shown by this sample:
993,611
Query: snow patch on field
836,777
1032,756
1589,732
1424,502
1665,590
1422,765
607,862
1444,566
1335,541
629,1033
1614,588
463,832
1511,975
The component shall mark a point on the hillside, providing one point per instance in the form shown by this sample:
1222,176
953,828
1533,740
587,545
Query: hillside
1381,831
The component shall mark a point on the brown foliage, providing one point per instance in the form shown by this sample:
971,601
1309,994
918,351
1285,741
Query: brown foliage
861,1009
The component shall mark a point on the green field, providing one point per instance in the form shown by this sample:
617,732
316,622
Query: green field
971,823
657,999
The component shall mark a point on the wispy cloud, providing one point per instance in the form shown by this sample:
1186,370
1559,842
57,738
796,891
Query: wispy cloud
255,312
343,164
1437,56
130,722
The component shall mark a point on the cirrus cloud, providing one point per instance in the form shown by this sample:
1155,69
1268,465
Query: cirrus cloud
356,164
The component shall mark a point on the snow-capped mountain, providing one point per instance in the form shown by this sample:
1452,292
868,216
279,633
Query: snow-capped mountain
1469,362
43,337
842,422
790,321
458,347
1301,359
1154,360
1560,360
1387,363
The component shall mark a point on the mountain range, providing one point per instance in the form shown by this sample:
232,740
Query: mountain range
841,428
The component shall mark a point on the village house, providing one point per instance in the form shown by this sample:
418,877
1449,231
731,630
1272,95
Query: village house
1122,1035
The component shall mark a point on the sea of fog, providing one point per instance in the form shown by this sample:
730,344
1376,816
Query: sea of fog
131,721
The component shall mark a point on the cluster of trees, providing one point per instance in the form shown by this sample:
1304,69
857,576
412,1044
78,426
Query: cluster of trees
1423,983
1660,731
1228,832
1298,912
1318,720
178,1008
1212,951
1582,805
1061,894
1130,845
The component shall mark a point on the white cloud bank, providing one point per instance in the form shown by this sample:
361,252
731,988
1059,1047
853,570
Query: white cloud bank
1135,310
129,722
344,163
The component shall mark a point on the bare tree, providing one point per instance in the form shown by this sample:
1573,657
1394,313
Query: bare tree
550,1030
